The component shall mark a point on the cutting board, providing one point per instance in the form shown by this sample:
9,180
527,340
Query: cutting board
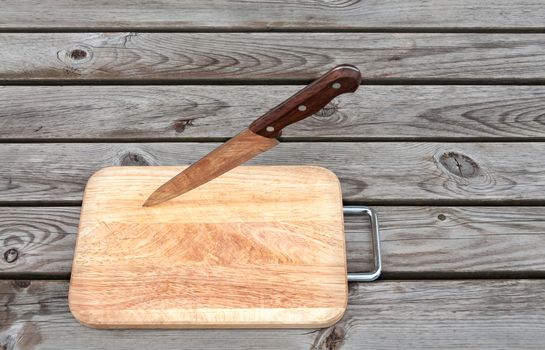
258,246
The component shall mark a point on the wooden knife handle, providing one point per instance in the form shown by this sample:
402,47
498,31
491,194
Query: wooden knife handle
341,79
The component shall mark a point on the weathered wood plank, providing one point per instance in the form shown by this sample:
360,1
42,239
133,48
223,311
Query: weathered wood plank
269,56
469,314
271,15
174,112
425,240
403,172
37,240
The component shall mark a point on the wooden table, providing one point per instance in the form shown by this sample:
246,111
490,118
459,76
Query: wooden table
444,140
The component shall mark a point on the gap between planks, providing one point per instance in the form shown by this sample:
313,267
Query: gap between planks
385,276
328,139
369,202
492,81
196,30
275,82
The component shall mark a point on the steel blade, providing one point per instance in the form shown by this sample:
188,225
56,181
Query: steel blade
234,152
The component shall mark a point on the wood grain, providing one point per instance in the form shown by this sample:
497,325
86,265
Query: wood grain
491,314
259,247
229,155
272,15
207,111
42,239
237,57
401,172
428,241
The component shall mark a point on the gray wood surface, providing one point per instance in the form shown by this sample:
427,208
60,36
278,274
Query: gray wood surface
473,314
37,240
215,57
184,112
429,241
270,15
387,172
445,140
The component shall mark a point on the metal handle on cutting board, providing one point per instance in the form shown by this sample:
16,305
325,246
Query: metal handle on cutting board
367,276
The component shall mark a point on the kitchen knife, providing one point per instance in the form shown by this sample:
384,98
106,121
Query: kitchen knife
261,135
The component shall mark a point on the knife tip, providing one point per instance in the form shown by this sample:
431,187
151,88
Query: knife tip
151,202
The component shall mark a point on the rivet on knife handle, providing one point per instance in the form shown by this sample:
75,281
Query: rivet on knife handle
341,79
261,135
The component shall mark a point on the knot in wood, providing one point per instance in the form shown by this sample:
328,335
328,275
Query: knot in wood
78,54
460,165
11,255
75,55
328,110
181,124
133,159
21,283
331,338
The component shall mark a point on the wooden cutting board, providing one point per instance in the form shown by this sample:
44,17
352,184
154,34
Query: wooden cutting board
256,247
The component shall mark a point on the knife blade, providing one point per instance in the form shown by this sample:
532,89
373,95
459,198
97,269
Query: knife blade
261,135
